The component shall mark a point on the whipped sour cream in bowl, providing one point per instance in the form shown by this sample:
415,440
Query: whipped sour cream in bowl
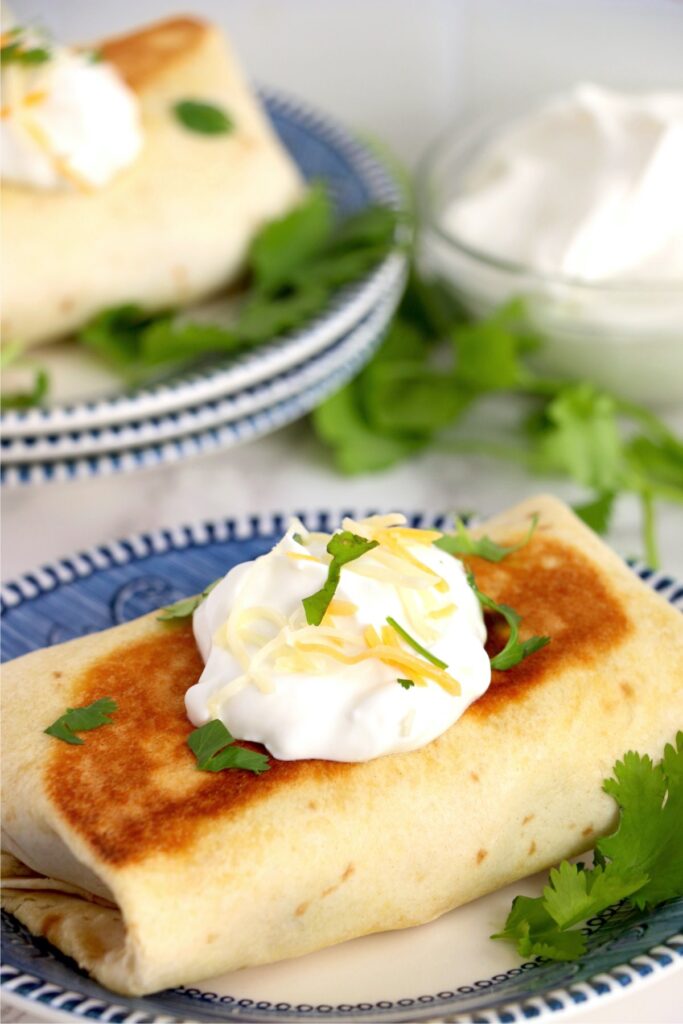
373,650
574,205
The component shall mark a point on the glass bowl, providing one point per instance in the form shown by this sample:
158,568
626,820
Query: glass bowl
626,337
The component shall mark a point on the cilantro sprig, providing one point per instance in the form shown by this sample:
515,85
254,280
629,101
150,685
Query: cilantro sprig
463,543
187,605
435,366
214,747
74,720
640,862
515,650
344,547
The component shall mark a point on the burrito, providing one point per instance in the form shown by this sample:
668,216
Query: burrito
150,873
196,170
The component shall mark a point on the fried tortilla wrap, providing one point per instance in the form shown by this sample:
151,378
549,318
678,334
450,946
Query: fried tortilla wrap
169,229
156,874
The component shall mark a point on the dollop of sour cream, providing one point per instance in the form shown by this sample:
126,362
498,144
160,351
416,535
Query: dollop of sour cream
587,186
332,691
69,121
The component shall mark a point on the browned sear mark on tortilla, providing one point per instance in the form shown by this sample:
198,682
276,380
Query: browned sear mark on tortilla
349,870
474,777
134,788
56,675
527,818
559,593
481,855
141,55
532,848
587,831
627,690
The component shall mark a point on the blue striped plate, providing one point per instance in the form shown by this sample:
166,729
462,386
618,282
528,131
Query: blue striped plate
448,970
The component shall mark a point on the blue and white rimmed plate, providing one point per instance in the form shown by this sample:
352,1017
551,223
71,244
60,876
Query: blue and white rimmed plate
358,347
448,970
344,355
323,150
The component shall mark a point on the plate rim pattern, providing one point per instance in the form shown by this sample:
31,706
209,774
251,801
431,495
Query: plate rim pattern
28,989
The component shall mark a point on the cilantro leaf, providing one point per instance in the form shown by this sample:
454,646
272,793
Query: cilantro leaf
74,720
405,683
263,316
187,605
650,834
30,398
598,512
463,543
579,435
202,117
489,350
17,52
214,748
344,547
640,862
535,933
287,244
357,446
515,650
409,397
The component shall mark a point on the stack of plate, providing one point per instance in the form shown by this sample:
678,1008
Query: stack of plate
231,402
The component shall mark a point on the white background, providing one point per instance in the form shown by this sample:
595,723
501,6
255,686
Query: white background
399,70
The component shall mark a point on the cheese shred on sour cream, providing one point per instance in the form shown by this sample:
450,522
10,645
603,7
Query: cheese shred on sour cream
397,656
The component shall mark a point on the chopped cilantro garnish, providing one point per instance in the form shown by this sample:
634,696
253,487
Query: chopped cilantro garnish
405,683
74,720
641,862
463,543
202,117
415,645
515,650
344,547
16,53
187,605
214,747
298,539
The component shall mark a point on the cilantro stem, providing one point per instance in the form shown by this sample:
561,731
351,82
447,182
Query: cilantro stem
471,446
649,530
415,645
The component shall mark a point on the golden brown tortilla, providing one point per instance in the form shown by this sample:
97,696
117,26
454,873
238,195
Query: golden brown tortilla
215,872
